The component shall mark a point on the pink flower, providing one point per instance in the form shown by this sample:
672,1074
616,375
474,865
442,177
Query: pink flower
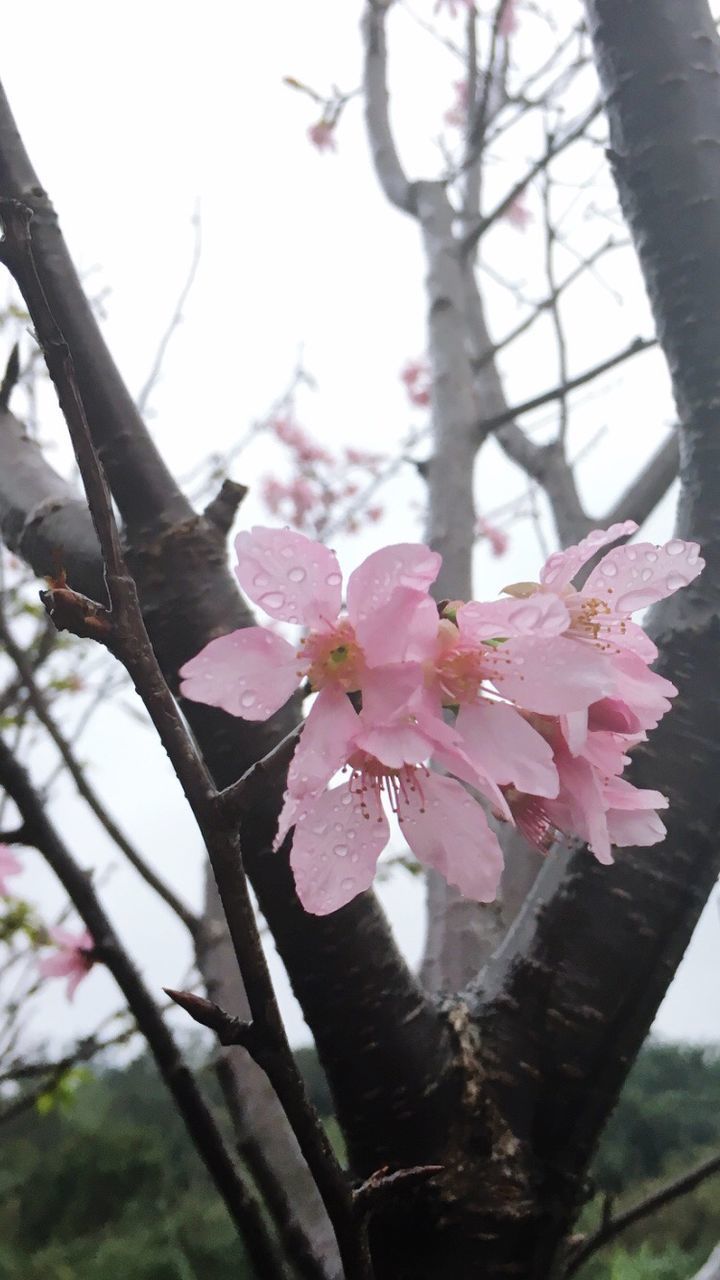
252,673
508,23
453,6
340,833
322,135
456,115
73,959
498,540
10,865
517,213
416,376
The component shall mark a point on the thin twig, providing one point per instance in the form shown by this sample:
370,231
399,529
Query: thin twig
657,1200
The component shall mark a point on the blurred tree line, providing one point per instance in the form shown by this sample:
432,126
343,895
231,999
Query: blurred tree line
97,1180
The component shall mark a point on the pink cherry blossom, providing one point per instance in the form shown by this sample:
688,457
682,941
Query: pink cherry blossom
10,865
322,135
456,115
453,6
252,672
72,960
497,538
508,23
517,213
416,376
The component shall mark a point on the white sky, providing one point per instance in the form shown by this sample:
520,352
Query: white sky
135,115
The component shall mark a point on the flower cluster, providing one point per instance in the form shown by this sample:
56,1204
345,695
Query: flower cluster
530,702
9,866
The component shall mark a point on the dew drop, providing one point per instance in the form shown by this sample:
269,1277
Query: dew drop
347,798
248,698
287,553
609,569
675,548
646,575
341,850
638,599
272,600
630,553
261,580
297,574
333,580
675,581
347,884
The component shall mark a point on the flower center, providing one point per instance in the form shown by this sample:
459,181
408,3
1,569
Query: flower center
399,785
333,658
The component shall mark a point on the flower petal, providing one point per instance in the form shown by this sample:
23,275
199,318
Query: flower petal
336,847
249,673
370,586
449,831
634,577
635,829
541,614
552,675
644,692
501,743
404,628
291,577
560,569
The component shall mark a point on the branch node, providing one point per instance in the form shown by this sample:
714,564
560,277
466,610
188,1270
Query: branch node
223,508
71,611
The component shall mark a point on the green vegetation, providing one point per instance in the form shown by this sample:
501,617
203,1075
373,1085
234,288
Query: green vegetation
98,1182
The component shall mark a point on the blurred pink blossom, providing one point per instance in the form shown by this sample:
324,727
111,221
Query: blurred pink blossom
498,539
508,24
416,376
73,958
517,213
322,135
456,115
10,865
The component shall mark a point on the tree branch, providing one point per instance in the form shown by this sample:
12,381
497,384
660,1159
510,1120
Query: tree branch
647,489
124,632
198,1119
391,176
650,1204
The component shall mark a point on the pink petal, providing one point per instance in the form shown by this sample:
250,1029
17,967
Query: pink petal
324,747
606,751
507,749
635,829
336,848
560,569
582,794
293,578
621,794
401,722
550,676
404,628
612,715
644,692
249,673
371,585
65,938
575,729
74,980
541,614
10,865
634,577
448,830
59,965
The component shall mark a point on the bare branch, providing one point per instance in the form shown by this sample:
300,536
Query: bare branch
650,1204
645,492
240,1202
637,346
390,174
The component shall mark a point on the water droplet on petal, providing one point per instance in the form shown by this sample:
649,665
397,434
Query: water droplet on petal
347,798
248,698
675,548
675,581
651,556
630,553
297,574
646,575
347,884
526,615
261,580
608,569
272,600
341,850
287,553
333,580
637,599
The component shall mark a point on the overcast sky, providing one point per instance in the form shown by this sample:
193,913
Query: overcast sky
136,116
